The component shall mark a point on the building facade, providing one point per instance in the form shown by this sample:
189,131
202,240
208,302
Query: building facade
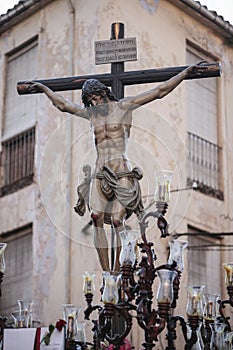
43,150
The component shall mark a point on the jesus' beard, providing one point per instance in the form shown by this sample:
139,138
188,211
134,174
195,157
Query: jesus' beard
102,109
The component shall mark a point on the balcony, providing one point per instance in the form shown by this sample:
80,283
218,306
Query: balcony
203,165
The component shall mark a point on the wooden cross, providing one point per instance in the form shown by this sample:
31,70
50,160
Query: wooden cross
118,78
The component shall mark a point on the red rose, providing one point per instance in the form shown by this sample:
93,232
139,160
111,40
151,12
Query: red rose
60,324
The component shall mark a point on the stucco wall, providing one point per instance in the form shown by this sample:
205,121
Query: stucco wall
64,144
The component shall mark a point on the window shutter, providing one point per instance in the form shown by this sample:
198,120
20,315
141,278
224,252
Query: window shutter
20,111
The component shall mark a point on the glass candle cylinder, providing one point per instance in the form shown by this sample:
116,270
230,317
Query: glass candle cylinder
88,283
81,332
128,249
228,273
177,253
199,344
229,341
194,305
2,258
70,315
26,308
162,191
165,291
210,311
19,319
218,336
111,287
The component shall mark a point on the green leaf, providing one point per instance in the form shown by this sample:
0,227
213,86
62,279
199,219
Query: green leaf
51,328
47,338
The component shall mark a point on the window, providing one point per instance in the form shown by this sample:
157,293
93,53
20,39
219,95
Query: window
18,133
19,111
18,161
204,152
17,281
204,261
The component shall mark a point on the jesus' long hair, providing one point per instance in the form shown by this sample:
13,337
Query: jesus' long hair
95,87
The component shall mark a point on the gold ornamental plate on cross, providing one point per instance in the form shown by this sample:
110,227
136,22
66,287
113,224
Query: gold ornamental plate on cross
112,51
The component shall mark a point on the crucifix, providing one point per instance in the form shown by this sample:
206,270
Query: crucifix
112,192
118,77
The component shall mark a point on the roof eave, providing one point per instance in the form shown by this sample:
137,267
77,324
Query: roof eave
20,12
209,18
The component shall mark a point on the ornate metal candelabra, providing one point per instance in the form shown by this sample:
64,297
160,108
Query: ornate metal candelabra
128,295
124,296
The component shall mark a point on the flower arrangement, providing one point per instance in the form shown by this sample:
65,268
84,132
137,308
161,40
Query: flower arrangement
59,326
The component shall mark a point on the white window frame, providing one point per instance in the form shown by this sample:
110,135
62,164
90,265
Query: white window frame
17,281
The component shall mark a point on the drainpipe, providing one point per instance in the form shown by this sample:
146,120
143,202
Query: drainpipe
69,159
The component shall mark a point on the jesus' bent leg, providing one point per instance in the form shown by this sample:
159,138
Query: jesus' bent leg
118,217
100,240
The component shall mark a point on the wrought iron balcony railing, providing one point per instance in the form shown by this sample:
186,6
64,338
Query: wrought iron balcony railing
203,165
